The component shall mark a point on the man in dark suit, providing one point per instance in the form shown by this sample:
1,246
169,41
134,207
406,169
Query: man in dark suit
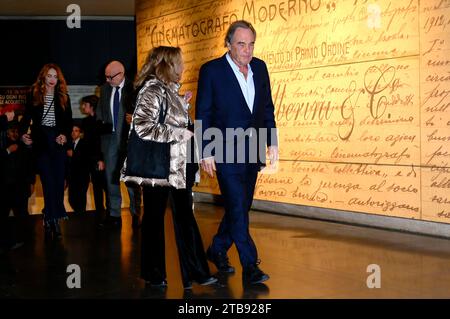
234,97
17,178
114,112
78,173
96,165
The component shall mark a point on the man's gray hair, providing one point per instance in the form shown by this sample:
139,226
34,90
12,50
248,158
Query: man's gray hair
232,29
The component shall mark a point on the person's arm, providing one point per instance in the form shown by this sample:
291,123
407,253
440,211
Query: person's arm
203,113
3,122
68,119
5,118
30,169
24,123
146,118
269,119
12,148
66,125
102,126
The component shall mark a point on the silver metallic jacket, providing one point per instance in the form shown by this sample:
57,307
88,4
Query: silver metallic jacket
145,121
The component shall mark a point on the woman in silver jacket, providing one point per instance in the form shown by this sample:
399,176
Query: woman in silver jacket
158,84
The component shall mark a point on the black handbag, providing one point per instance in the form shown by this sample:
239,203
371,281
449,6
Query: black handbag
146,158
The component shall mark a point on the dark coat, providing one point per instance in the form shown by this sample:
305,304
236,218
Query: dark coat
63,118
17,168
220,104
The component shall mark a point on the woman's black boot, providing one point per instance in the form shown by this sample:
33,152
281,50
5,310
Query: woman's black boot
56,230
47,233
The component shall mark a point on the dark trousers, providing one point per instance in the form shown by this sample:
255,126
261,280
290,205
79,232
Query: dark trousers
51,163
6,227
98,181
237,190
15,198
78,186
191,253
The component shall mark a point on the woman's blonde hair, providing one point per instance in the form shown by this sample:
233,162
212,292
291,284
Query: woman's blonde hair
161,62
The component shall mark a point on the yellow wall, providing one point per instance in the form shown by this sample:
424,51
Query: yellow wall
361,91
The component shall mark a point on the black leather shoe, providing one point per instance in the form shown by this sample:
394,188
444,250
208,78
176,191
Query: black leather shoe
253,275
156,284
220,261
203,282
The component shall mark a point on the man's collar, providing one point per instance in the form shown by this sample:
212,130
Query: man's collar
121,85
233,64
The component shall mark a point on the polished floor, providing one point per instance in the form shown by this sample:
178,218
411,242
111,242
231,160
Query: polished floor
306,259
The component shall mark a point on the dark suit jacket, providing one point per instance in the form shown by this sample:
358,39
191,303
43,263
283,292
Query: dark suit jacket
92,139
3,122
63,118
221,104
78,163
114,145
17,169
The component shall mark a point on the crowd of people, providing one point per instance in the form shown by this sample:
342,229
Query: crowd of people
233,92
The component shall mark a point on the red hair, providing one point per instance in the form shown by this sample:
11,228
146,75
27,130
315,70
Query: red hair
38,88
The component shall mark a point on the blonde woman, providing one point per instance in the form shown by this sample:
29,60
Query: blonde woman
158,85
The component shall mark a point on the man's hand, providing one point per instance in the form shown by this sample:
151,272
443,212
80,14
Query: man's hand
187,96
272,153
26,139
12,148
101,165
61,139
208,165
187,135
70,153
128,118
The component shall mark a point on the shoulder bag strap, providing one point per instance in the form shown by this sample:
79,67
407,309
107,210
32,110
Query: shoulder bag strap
48,110
163,110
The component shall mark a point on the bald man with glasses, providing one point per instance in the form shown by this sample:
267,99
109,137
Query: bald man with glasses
114,111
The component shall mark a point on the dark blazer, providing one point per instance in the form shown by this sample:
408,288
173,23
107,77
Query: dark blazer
92,139
104,118
78,163
63,118
221,104
17,169
3,122
114,146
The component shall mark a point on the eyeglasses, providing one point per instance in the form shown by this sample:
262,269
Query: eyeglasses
109,78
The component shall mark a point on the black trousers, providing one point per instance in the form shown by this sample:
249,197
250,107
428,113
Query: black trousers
51,163
13,197
98,180
191,253
78,186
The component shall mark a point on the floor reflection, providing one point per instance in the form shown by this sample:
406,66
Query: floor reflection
304,258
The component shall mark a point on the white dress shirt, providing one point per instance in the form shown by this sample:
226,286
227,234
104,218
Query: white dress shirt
247,85
111,99
75,143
